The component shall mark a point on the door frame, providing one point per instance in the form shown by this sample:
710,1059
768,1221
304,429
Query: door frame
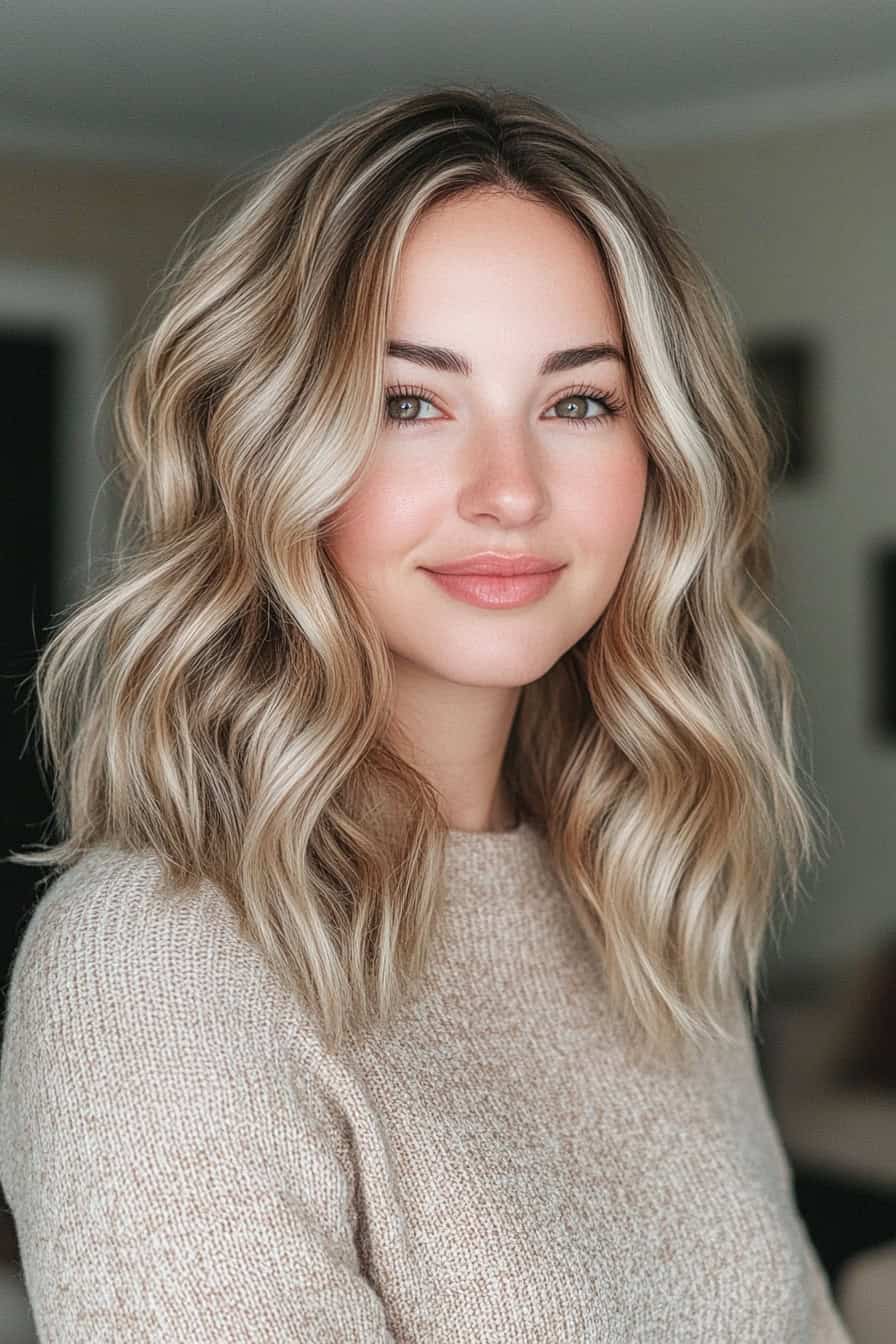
76,305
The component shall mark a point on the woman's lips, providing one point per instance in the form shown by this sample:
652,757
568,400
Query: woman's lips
483,590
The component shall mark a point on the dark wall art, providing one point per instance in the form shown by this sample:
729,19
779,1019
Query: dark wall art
784,372
883,590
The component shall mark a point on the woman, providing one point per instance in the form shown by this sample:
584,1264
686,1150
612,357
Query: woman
393,986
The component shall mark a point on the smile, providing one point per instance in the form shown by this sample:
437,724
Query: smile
488,590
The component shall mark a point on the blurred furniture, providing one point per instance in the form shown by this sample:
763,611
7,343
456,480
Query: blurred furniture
827,1048
16,1323
866,1288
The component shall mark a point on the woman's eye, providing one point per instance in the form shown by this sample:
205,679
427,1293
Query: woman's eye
575,407
403,407
406,405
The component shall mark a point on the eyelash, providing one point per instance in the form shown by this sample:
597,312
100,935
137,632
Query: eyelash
613,406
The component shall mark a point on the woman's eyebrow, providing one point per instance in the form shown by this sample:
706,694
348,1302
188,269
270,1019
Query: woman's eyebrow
449,361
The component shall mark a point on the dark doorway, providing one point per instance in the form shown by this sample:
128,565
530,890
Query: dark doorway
30,379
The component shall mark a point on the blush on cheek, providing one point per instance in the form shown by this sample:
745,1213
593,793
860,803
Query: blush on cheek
349,529
628,494
614,515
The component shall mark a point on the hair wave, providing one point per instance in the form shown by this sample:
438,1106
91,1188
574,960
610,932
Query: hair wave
222,697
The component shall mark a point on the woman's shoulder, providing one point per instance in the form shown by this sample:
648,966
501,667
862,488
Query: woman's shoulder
112,910
111,939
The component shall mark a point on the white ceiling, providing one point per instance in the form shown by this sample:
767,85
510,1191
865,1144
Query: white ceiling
216,82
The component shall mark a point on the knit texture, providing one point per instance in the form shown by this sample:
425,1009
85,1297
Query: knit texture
185,1162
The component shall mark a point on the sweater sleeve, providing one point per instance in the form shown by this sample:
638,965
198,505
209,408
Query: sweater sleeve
172,1168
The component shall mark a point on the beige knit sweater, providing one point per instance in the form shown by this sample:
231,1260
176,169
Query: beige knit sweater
185,1163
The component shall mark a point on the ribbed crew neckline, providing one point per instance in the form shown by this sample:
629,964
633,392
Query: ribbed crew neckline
487,845
488,835
496,857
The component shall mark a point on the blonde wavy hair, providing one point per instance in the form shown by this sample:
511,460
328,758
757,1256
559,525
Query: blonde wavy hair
223,698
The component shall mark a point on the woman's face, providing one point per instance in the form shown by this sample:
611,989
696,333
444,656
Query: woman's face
499,459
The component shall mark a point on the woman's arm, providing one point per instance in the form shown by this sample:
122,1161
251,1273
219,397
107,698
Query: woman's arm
171,1174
